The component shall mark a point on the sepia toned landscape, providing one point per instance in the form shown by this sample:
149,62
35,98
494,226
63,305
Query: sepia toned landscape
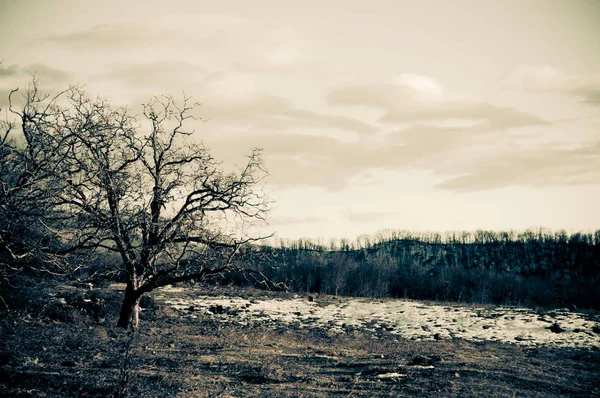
299,199
254,343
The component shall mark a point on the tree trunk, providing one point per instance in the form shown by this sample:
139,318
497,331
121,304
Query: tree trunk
130,309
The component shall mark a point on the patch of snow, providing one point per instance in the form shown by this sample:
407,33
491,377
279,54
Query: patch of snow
408,319
171,289
394,375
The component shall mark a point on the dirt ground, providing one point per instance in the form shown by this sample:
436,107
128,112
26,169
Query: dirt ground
74,350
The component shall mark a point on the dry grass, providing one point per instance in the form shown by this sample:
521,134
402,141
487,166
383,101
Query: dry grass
172,356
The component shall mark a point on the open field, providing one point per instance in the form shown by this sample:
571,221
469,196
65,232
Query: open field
201,343
407,319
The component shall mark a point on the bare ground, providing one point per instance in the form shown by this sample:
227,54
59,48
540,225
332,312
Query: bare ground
46,354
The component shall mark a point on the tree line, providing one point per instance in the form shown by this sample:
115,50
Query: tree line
532,267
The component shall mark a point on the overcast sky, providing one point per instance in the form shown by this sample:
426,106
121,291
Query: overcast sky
419,115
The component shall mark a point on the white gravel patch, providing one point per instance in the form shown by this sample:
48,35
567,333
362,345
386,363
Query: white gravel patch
387,376
406,318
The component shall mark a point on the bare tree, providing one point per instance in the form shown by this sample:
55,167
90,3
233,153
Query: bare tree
27,159
158,199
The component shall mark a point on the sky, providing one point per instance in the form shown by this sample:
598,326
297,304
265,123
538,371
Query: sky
411,115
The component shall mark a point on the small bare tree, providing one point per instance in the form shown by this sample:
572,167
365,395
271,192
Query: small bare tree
158,199
27,160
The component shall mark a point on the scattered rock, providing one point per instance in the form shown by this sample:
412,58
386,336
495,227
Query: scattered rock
555,328
381,373
217,309
337,318
373,371
422,360
393,375
148,302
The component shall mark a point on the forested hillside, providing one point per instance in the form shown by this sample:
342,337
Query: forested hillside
531,267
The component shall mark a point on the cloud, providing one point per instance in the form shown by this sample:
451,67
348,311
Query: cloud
172,28
365,217
441,136
12,70
376,95
306,160
532,167
110,36
273,50
291,220
549,79
161,73
421,83
401,106
309,160
466,158
232,98
244,44
493,117
263,111
15,76
42,71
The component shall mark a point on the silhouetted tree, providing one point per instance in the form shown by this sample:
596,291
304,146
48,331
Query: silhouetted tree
29,153
138,187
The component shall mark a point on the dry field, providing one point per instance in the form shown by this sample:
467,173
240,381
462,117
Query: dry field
59,344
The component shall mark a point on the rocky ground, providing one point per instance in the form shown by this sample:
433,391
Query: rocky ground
407,319
201,343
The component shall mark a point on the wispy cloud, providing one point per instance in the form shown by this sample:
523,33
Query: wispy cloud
111,36
12,70
540,167
44,71
366,217
499,146
292,220
400,105
161,73
247,46
17,76
264,111
421,83
549,79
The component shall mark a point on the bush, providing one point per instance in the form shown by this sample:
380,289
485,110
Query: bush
59,311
